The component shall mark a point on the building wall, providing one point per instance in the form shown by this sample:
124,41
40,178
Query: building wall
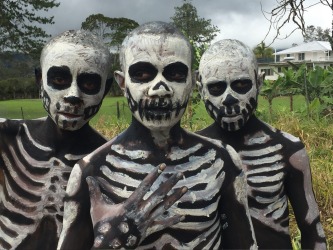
312,59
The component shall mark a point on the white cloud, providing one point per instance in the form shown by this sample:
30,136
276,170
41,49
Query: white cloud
236,19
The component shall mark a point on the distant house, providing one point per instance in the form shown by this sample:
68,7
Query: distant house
316,53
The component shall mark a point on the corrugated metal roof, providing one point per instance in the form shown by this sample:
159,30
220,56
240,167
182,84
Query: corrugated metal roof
306,47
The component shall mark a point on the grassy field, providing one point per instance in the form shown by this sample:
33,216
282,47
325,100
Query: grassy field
32,108
317,135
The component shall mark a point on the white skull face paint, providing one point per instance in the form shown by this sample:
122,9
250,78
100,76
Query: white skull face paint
74,72
229,83
158,82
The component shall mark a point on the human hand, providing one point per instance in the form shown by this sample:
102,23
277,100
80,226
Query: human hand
125,224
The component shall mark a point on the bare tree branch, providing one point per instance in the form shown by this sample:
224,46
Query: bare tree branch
287,11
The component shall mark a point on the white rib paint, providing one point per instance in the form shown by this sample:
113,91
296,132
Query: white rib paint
269,189
119,177
132,154
260,179
206,211
258,138
266,160
71,157
130,166
290,137
265,170
261,152
176,153
31,139
265,200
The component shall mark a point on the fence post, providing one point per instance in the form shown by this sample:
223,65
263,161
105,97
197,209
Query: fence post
22,113
118,111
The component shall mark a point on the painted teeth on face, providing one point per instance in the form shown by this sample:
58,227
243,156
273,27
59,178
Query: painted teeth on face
156,109
230,123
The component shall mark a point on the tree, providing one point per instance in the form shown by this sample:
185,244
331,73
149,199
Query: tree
262,51
111,30
313,33
270,90
293,11
290,86
198,30
18,30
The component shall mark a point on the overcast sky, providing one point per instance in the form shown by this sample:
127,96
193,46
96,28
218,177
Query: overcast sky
238,19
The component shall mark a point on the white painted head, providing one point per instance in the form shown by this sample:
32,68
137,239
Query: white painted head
75,66
229,83
156,74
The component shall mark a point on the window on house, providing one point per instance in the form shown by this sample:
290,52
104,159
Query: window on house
279,69
268,72
288,55
278,58
301,56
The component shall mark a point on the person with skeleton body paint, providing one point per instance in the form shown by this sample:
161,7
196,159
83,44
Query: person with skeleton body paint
275,162
37,155
157,185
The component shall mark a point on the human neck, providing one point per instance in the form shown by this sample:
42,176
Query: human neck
49,134
160,138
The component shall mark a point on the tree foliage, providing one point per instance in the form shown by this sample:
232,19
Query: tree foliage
18,88
315,84
199,31
313,33
20,25
111,30
263,51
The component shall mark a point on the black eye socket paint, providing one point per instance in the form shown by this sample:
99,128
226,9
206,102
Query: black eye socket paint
176,72
59,77
89,83
142,72
217,88
241,86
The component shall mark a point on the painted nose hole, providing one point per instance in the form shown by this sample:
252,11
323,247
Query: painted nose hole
161,84
160,89
73,100
230,100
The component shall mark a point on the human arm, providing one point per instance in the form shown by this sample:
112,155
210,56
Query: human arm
125,224
300,193
77,232
238,231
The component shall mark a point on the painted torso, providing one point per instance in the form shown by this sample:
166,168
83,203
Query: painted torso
208,171
125,169
265,153
32,185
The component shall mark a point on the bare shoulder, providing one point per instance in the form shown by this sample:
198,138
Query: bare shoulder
281,134
10,126
225,151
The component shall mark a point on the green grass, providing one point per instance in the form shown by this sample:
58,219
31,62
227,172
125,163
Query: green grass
32,108
17,109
